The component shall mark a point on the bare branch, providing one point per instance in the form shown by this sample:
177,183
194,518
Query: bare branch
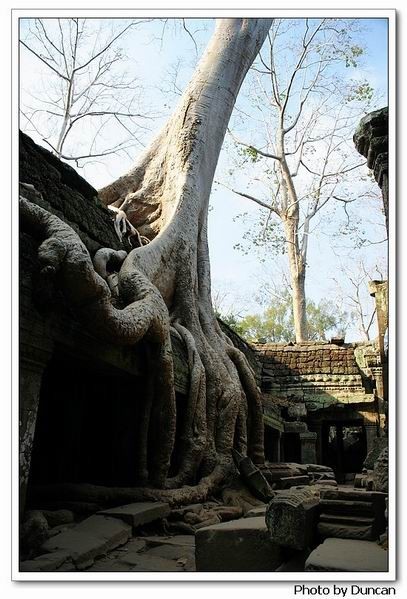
250,197
190,35
44,61
257,150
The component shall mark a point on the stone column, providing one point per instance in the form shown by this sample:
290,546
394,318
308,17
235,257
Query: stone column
317,429
276,445
32,366
308,448
379,290
371,435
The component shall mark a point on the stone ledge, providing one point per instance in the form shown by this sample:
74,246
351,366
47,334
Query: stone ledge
91,538
238,546
137,514
347,555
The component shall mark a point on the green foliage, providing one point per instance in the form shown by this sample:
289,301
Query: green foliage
353,52
233,321
361,92
276,323
264,235
252,153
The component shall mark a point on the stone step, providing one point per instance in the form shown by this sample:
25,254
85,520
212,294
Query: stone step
172,551
345,531
338,506
49,562
347,555
137,514
91,538
177,540
238,546
143,562
276,475
137,562
354,495
326,483
343,519
319,468
293,481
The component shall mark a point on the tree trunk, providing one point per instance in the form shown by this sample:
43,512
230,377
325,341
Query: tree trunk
166,284
297,277
299,306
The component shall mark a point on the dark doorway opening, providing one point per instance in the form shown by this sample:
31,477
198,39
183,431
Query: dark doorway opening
292,448
344,447
86,427
271,444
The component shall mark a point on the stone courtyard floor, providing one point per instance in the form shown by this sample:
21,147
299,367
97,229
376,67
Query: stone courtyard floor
150,554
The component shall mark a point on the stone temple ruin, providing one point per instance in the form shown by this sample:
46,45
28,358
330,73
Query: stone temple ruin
317,504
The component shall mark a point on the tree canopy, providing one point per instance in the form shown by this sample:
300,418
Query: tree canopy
276,322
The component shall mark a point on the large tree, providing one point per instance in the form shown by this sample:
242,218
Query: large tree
297,152
165,285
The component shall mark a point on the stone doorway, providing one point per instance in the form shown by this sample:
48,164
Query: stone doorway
292,448
86,424
272,440
344,447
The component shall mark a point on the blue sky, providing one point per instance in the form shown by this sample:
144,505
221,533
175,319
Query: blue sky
154,52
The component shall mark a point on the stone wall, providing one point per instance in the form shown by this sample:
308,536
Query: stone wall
48,327
315,384
316,373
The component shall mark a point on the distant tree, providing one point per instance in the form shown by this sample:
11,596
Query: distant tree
355,297
86,88
276,323
298,153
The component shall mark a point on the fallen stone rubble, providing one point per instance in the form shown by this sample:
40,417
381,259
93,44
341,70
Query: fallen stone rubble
303,526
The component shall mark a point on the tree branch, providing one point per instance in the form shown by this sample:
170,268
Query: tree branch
44,61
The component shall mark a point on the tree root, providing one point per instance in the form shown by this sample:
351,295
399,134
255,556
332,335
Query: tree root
217,406
114,496
194,434
165,197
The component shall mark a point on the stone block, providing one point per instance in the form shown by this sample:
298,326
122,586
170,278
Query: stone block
343,519
295,427
354,495
323,483
297,410
347,555
58,517
239,546
176,540
332,506
293,481
291,518
142,562
137,514
345,531
257,512
49,562
91,538
173,551
319,468
372,504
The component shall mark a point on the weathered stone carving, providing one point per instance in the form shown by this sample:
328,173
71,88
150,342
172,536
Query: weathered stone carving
291,518
371,140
